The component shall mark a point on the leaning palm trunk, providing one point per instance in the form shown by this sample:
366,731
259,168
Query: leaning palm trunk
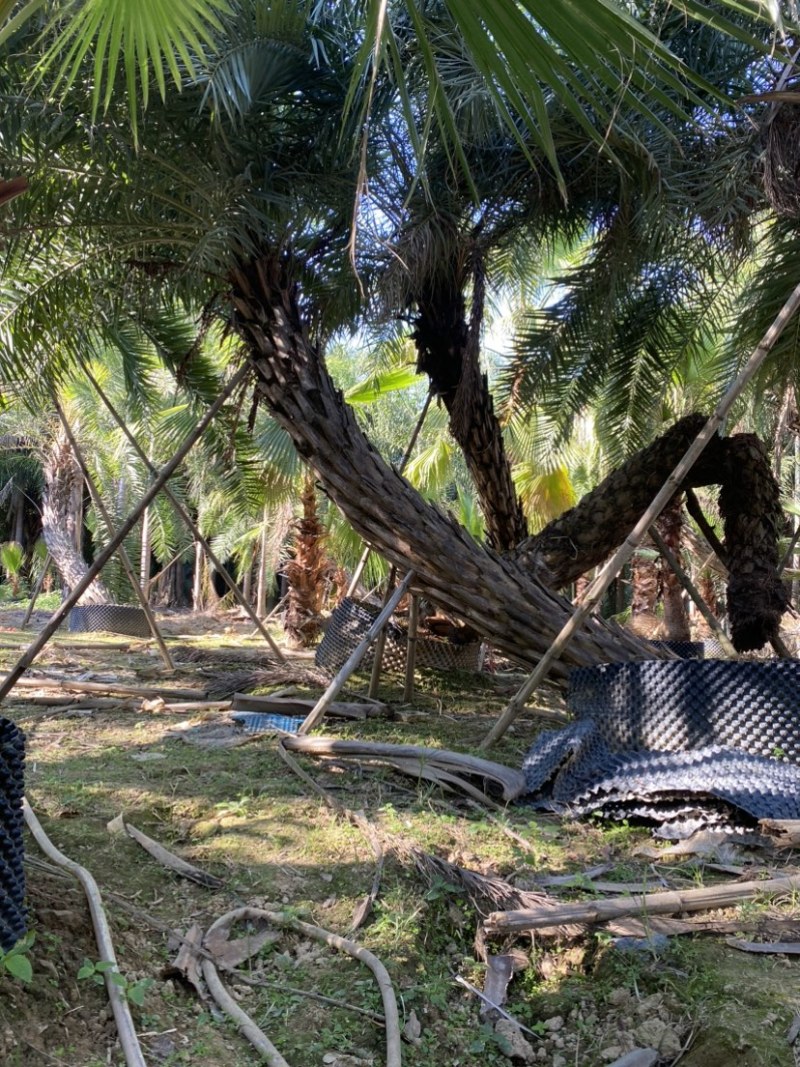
494,594
749,502
509,599
60,518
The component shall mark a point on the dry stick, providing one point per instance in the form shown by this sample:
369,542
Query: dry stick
36,591
119,1005
411,649
122,553
356,657
789,551
247,979
187,519
632,541
598,911
406,456
694,593
256,1036
149,691
157,485
316,933
707,530
380,643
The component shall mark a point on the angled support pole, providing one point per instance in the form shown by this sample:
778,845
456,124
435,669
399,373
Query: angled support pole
124,529
35,594
630,544
187,519
122,553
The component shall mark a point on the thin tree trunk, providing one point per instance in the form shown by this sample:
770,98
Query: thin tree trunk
146,551
261,591
198,584
61,519
676,619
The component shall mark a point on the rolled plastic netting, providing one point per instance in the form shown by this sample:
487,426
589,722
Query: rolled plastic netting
13,916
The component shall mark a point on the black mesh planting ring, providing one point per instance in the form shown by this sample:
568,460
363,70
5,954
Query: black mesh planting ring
114,618
349,623
13,919
652,733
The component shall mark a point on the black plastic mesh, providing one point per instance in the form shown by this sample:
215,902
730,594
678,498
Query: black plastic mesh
13,919
114,618
348,626
653,734
691,649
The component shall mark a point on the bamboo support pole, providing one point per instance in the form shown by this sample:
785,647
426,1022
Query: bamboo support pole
124,529
411,649
36,591
122,553
187,519
356,657
606,576
403,462
694,593
380,642
500,923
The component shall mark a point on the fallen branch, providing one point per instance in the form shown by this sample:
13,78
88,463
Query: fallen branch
786,948
296,706
316,933
128,1040
510,781
785,833
257,1038
164,856
663,903
106,687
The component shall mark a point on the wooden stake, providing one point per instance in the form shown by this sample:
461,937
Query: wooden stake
609,572
103,557
188,520
356,657
500,923
121,551
37,590
411,653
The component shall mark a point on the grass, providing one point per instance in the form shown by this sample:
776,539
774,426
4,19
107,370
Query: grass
242,815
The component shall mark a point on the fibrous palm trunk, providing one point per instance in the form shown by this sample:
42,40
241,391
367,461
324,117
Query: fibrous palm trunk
61,515
676,618
305,573
510,599
494,594
448,352
749,501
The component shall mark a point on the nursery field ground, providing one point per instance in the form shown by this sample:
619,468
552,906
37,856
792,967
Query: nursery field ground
242,815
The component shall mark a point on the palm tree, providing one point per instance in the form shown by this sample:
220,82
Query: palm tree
250,211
